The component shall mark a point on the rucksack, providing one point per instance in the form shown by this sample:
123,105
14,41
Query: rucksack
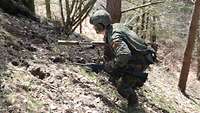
142,53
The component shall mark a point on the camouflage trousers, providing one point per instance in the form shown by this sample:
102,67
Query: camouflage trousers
126,85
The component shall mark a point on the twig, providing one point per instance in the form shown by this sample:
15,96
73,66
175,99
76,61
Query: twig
145,5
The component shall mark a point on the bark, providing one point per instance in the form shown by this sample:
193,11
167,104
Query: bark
189,48
143,22
80,8
62,13
48,9
138,27
153,35
114,8
198,55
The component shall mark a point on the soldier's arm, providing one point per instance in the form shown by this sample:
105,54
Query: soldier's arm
121,51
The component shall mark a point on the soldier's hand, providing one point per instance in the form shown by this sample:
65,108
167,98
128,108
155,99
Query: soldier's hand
108,66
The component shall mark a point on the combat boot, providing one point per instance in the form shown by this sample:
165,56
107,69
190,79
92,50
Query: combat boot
132,102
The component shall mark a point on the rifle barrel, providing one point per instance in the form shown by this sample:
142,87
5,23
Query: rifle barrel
69,43
64,42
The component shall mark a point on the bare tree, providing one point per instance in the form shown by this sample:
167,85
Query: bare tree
76,12
114,8
48,9
190,46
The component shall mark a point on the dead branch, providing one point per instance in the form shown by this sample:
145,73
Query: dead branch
145,5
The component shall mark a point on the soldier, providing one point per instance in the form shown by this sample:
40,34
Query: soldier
123,58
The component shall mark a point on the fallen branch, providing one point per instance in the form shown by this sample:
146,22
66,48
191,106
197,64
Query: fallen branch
145,5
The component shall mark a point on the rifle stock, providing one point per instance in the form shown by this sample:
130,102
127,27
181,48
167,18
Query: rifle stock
70,43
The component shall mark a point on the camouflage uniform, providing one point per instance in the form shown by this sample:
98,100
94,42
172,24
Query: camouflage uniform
123,56
122,43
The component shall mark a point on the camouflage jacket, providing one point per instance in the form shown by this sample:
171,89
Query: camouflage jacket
122,43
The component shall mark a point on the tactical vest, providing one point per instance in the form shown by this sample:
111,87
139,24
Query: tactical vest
142,53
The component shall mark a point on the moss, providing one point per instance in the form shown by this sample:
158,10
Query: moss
86,71
33,105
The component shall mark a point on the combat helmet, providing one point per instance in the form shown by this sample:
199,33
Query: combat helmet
101,17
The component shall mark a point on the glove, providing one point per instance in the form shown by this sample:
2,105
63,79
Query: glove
96,67
108,67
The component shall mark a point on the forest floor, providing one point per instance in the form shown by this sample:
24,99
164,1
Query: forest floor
38,75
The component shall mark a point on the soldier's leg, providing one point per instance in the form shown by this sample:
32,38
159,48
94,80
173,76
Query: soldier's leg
125,88
132,102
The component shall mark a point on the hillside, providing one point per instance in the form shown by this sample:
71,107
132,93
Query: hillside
38,75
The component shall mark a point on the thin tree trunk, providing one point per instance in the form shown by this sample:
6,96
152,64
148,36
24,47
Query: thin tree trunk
48,9
190,46
80,8
62,13
143,22
114,8
147,20
138,26
198,55
153,36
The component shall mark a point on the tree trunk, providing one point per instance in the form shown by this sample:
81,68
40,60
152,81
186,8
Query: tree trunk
62,13
114,8
143,30
198,55
80,8
138,26
189,48
48,9
153,35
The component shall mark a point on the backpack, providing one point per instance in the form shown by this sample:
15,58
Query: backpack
142,53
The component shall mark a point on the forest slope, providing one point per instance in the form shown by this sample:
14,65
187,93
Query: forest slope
37,75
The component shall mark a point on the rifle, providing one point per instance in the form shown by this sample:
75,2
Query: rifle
70,43
89,45
94,67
